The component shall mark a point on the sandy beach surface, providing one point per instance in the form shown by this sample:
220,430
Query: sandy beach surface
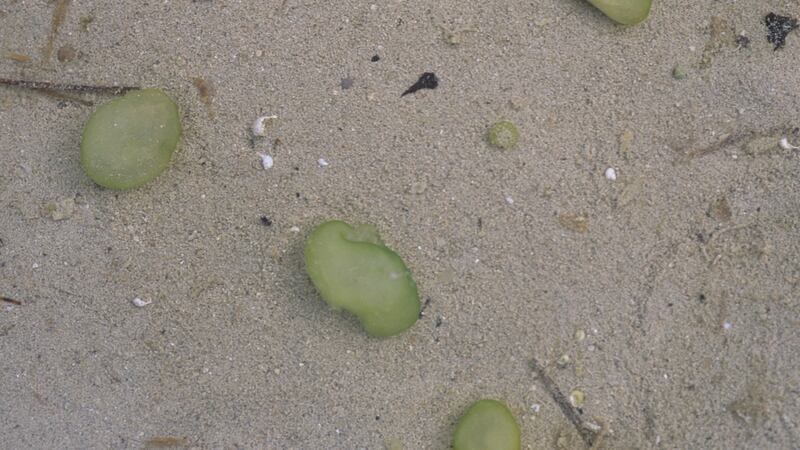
666,299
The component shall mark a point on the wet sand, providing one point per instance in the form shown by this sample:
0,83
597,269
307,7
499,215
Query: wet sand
668,296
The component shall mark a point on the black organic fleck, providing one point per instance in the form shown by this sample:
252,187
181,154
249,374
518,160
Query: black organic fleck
778,27
427,80
375,58
742,41
266,221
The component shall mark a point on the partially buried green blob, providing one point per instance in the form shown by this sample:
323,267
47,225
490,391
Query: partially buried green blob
626,12
355,271
487,425
130,140
503,134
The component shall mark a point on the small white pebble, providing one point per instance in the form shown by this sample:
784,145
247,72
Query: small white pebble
322,162
140,303
784,143
509,200
266,161
35,266
611,173
536,407
260,125
727,325
295,229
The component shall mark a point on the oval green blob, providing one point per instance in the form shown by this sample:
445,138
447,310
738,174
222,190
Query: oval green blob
626,12
355,271
503,134
130,140
487,425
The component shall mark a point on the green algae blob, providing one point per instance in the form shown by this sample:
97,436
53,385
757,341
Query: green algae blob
487,425
355,271
130,140
503,134
626,12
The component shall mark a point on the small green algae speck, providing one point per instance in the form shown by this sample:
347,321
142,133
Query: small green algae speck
503,134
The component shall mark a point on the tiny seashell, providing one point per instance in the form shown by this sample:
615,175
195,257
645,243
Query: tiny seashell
266,161
260,125
784,143
138,302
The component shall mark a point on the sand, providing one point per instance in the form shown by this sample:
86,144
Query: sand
681,276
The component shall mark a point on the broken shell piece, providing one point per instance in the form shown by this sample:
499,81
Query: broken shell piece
784,143
140,303
60,210
260,125
266,161
611,174
322,162
576,398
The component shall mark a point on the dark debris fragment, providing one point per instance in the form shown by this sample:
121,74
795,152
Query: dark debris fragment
427,80
375,58
742,41
11,300
266,221
778,27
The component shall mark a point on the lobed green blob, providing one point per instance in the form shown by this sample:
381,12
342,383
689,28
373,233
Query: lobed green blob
503,134
626,12
355,271
130,140
487,425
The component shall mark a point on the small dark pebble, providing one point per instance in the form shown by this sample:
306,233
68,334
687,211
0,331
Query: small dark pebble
66,53
424,307
427,80
742,41
266,221
375,58
347,83
778,27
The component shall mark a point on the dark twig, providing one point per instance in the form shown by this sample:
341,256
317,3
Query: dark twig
65,97
11,300
46,85
561,400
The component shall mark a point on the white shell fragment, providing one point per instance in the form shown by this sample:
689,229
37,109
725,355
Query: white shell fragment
260,125
322,162
139,303
611,174
266,161
784,143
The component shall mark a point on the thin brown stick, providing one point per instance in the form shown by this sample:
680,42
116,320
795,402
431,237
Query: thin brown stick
65,97
18,57
563,403
43,85
11,300
598,440
59,14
